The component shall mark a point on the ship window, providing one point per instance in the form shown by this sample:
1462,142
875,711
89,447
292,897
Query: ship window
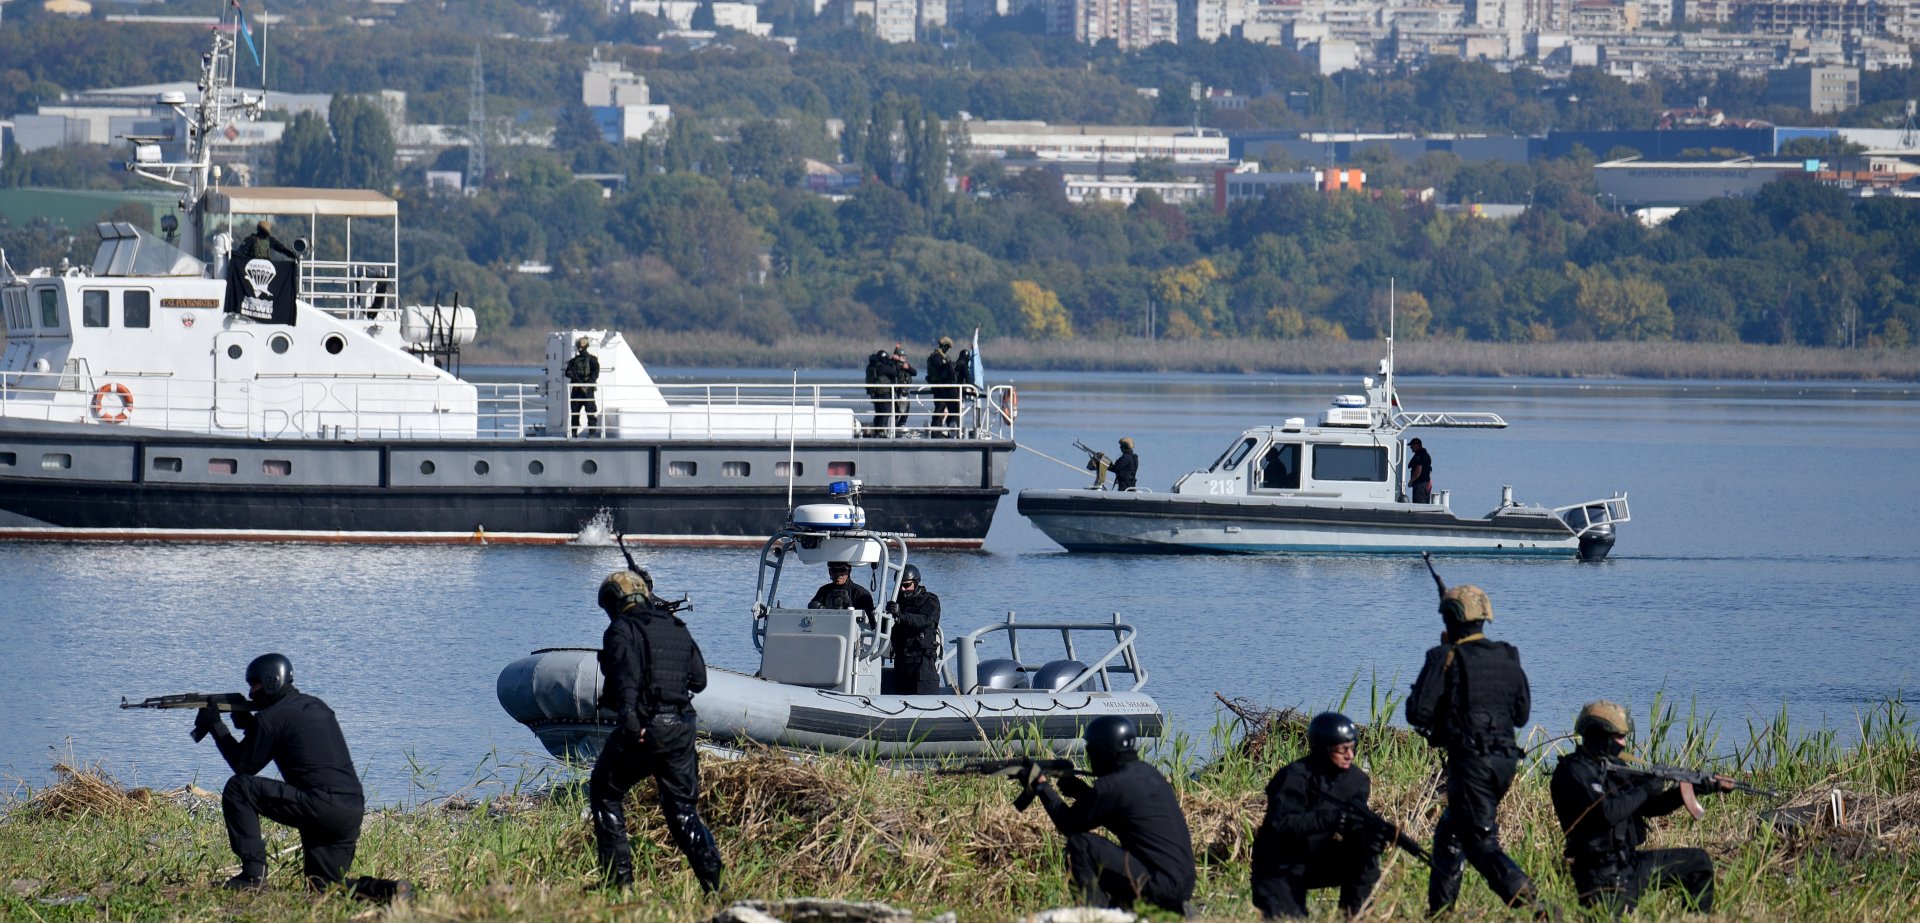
789,469
1232,457
168,463
481,467
276,467
136,309
589,467
93,308
8,459
234,351
536,467
334,343
683,469
280,343
1349,463
49,309
223,466
841,469
426,467
1280,467
56,461
735,469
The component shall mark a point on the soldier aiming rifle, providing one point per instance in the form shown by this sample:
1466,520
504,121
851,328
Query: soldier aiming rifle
227,702
1025,770
1097,462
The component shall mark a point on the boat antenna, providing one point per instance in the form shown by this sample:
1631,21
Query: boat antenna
793,427
1392,297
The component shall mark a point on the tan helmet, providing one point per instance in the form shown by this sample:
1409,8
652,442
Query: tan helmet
581,343
1466,603
1603,718
1126,442
264,227
623,590
946,342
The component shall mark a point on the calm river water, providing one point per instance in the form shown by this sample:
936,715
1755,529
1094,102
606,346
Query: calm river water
1771,560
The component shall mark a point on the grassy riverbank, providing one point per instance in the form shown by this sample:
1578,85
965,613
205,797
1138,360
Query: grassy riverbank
87,849
1659,360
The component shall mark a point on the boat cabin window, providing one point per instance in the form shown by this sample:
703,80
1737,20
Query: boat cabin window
93,308
49,309
1280,467
1349,463
1232,457
18,320
136,309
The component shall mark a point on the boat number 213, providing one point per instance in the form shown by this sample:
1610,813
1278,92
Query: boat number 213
1221,487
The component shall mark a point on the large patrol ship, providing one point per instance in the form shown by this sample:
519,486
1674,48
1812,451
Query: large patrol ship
173,390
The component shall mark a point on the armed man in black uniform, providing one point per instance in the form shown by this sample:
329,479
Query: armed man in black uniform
320,796
840,592
916,637
583,391
1126,468
653,669
261,245
1154,858
946,403
1469,697
1311,836
1604,817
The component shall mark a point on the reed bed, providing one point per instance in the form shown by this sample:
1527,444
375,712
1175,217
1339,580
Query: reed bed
1840,845
1653,360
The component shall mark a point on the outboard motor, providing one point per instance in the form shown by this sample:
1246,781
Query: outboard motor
1002,674
1057,674
1596,541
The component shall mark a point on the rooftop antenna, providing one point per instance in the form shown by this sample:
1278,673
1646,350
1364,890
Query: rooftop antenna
477,126
793,430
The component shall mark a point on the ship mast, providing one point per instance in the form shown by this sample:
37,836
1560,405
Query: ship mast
220,102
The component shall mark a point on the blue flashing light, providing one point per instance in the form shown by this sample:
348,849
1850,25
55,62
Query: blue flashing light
840,488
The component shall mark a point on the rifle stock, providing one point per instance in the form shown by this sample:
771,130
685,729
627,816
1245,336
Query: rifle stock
1379,824
218,701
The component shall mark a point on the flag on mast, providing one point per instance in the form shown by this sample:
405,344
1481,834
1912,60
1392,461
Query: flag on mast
240,18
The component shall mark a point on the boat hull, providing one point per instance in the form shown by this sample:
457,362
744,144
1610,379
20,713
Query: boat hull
554,692
78,483
1144,523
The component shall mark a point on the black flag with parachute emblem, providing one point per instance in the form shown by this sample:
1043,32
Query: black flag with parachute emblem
264,291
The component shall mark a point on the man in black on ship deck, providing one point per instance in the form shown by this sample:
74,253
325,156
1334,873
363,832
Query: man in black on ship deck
1311,837
946,400
583,403
1154,859
261,245
318,792
840,592
1420,473
916,636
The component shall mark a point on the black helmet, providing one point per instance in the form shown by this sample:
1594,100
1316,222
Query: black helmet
1110,743
910,574
1327,730
274,673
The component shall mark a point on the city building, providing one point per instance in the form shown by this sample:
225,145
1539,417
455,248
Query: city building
620,101
1816,89
1020,143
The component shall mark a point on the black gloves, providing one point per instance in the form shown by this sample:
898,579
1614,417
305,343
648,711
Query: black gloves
1074,787
246,721
207,721
630,722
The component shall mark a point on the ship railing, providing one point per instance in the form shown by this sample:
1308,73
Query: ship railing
900,411
352,289
1594,514
1121,657
1443,418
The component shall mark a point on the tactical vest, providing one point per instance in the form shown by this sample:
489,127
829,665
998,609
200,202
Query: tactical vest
580,368
1476,712
670,654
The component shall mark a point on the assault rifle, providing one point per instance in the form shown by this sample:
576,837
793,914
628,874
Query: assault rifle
1688,779
670,605
218,701
1438,583
1097,462
1023,770
1374,823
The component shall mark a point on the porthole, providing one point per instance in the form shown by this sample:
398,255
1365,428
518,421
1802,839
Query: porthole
56,461
234,351
223,466
427,467
481,467
589,467
840,469
8,459
736,469
536,467
168,463
789,469
280,343
334,343
683,469
276,467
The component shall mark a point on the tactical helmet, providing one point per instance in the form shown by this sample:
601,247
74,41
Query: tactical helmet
839,567
581,343
1110,742
1603,719
1329,729
946,342
264,227
622,590
274,673
1466,603
1126,442
910,574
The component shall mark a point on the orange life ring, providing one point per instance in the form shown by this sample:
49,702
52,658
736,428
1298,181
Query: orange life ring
1010,406
118,390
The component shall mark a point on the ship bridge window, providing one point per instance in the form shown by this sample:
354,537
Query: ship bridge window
49,309
93,308
1349,463
1280,467
1232,457
136,309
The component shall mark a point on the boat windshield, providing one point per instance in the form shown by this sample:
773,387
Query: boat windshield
1234,454
126,250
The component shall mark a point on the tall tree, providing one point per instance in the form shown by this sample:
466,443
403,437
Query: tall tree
304,156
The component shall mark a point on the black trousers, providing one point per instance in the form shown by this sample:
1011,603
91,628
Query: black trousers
882,412
329,826
1469,831
1282,891
1104,875
583,411
668,756
914,675
1422,492
1616,885
946,409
